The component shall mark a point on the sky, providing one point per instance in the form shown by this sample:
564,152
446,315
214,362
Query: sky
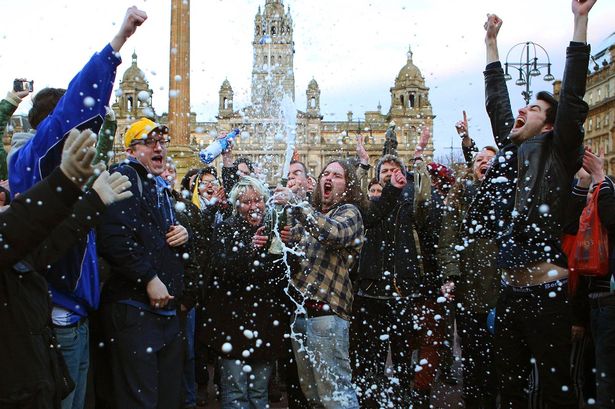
353,48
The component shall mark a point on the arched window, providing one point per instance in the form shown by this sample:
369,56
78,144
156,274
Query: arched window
129,104
313,102
272,30
225,103
401,99
411,101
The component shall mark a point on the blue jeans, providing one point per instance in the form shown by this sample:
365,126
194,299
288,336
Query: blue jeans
321,350
189,375
603,330
75,347
244,390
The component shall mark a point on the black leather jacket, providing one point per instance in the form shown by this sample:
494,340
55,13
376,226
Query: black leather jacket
542,169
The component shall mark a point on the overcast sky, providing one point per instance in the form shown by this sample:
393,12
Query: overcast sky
353,48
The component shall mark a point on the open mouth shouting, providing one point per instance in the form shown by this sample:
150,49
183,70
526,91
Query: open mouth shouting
327,189
519,123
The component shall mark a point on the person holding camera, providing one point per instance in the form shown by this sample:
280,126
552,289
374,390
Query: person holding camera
7,107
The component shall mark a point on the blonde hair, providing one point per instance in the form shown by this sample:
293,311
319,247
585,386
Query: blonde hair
242,186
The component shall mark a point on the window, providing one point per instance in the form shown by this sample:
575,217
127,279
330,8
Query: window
590,125
598,122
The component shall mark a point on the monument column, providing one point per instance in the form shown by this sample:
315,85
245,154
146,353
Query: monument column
179,86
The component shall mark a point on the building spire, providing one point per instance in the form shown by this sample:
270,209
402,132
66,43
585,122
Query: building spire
409,53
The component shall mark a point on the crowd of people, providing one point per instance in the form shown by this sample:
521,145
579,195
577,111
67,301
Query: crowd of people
127,289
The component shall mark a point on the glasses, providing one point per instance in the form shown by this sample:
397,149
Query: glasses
151,142
213,182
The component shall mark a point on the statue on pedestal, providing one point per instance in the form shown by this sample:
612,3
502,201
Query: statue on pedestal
390,144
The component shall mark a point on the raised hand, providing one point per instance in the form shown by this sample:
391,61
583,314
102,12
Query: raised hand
423,141
398,179
133,19
220,195
259,240
462,126
582,7
112,188
77,156
492,26
594,165
361,152
21,94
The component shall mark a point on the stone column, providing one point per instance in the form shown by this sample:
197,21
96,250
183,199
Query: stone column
179,87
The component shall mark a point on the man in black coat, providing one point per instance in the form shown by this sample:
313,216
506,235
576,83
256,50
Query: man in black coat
521,203
143,245
395,276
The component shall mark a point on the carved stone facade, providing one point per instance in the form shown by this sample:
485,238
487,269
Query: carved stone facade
317,141
600,96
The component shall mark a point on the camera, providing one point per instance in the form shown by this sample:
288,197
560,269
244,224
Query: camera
20,85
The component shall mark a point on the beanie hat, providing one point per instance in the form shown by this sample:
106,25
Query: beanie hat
141,130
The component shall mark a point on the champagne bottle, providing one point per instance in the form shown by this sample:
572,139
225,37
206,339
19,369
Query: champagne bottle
218,146
275,220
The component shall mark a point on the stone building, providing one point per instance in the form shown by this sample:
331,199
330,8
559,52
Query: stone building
265,122
273,116
600,95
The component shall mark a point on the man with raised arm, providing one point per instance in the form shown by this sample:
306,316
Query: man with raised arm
521,203
73,280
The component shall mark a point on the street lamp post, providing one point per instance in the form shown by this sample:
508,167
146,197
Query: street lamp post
529,68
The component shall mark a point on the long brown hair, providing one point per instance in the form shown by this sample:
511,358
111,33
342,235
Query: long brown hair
353,194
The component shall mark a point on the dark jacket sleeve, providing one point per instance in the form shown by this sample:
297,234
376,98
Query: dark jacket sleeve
606,206
376,211
193,275
232,256
497,102
229,178
118,237
572,109
447,253
33,215
84,216
468,153
7,108
574,208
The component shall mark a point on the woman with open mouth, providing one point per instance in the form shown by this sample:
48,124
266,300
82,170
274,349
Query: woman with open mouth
246,318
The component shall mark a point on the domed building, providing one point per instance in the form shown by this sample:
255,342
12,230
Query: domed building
133,99
316,140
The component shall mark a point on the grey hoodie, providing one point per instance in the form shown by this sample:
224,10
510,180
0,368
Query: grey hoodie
18,140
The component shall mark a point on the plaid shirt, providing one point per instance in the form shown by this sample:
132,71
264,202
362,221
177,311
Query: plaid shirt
332,243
